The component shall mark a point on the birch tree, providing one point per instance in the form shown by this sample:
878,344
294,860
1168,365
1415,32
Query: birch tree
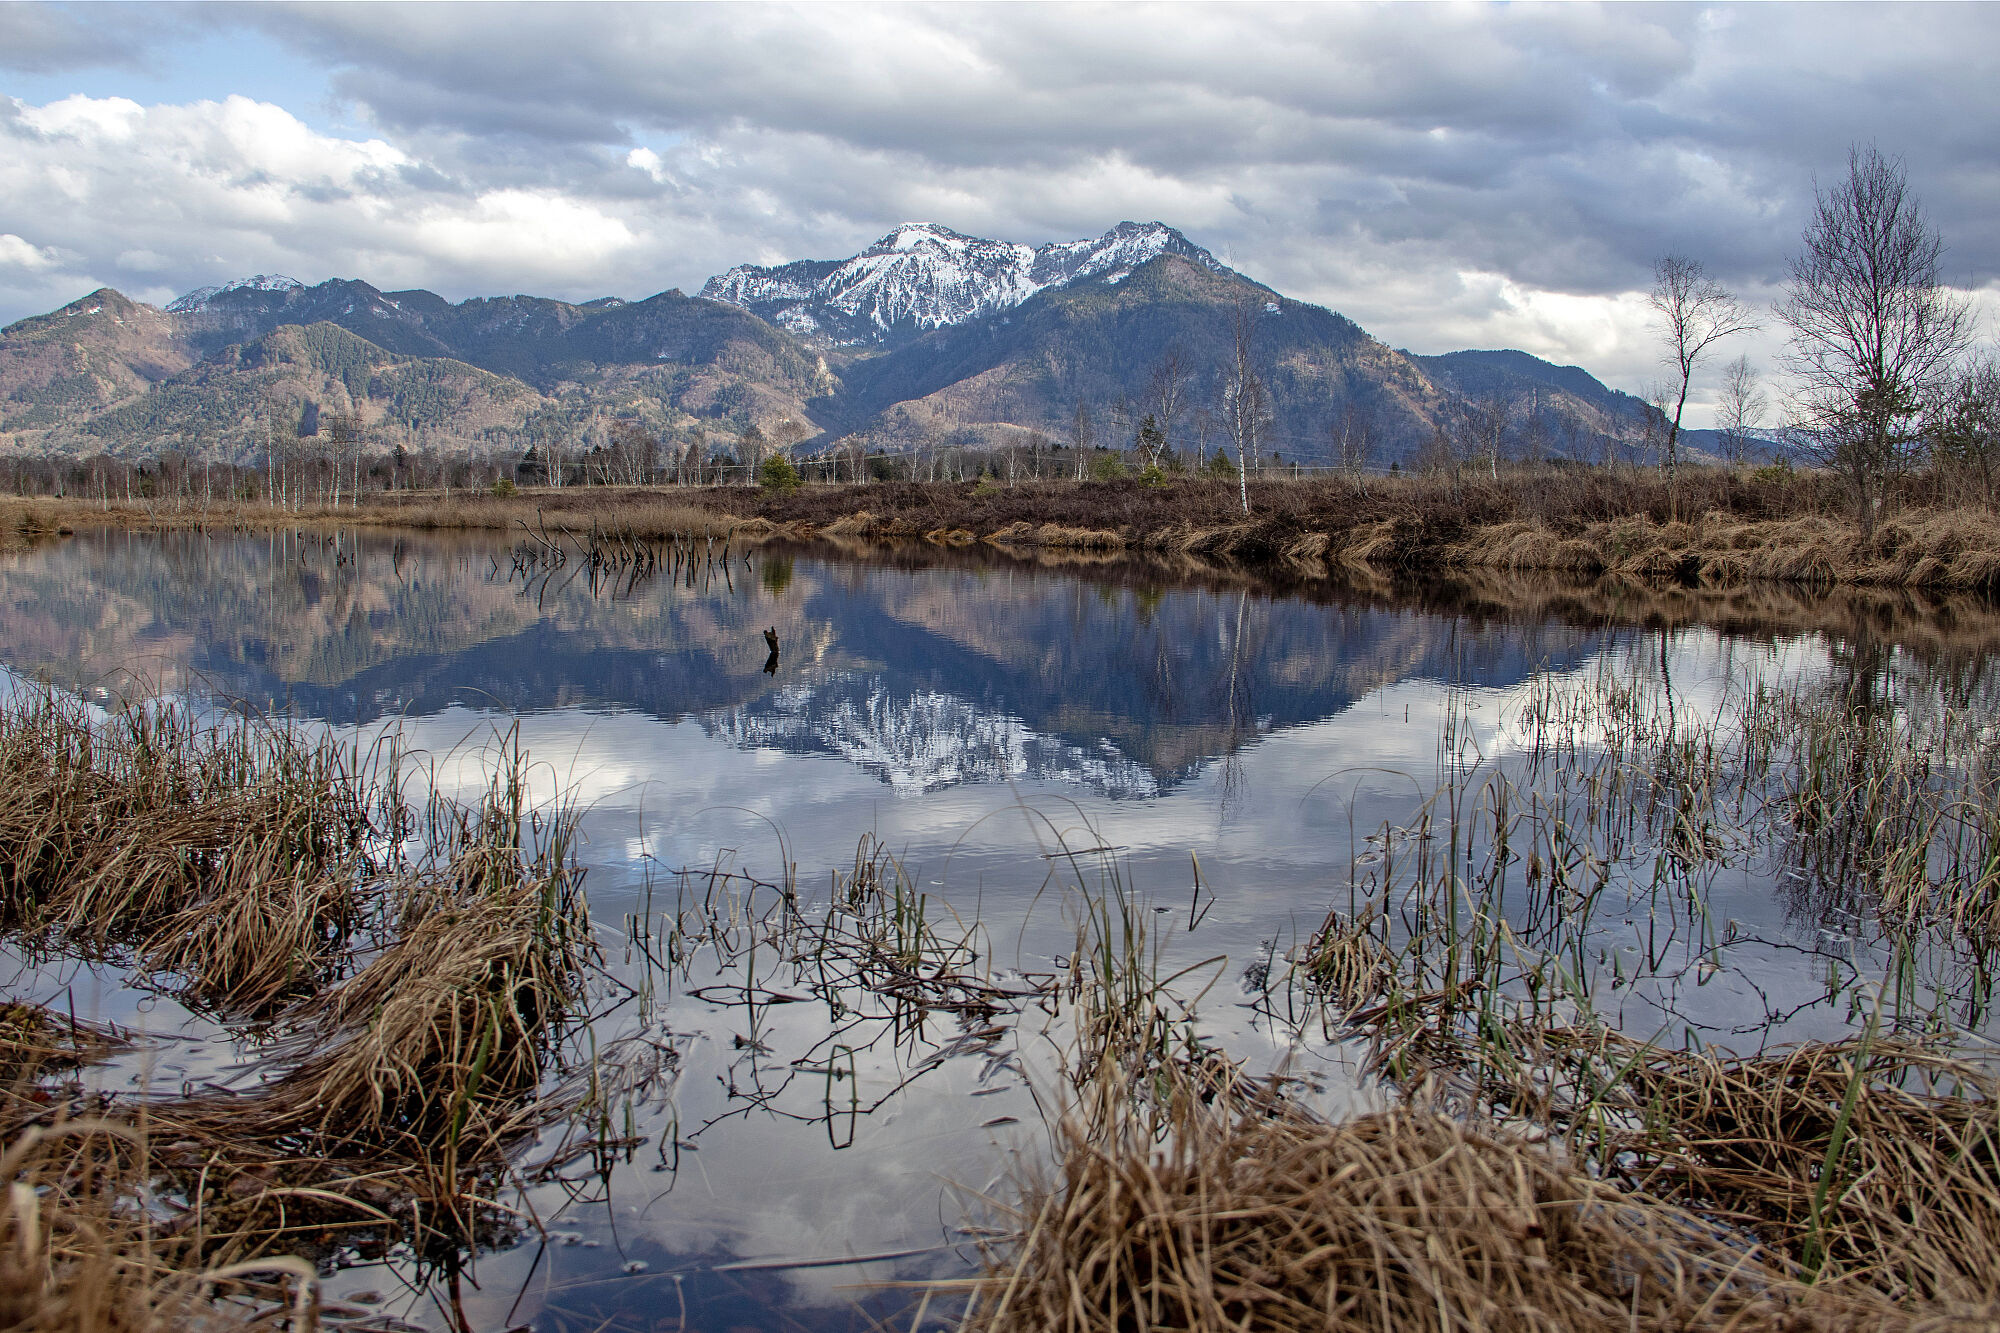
1695,313
1874,329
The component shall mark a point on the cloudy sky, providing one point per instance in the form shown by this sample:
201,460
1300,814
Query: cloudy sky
1447,176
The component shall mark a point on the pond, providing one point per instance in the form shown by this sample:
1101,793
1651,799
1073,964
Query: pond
1233,757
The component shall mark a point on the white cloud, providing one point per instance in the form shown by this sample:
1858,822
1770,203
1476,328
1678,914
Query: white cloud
143,261
86,120
532,232
648,161
17,253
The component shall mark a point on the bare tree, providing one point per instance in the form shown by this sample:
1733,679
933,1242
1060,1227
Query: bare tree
1740,409
1533,435
1487,419
1168,386
1245,409
1963,424
1695,312
1081,436
1874,330
344,451
697,454
1350,437
752,446
1647,437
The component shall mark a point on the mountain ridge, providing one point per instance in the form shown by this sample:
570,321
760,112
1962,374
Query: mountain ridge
928,338
923,276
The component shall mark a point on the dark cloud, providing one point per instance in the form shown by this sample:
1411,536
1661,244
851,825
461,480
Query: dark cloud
1448,176
44,39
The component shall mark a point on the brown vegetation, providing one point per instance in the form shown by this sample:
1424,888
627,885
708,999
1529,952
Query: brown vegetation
1541,1169
227,863
1771,525
1403,1219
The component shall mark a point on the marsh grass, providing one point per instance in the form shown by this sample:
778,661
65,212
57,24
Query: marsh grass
79,1252
35,1039
1538,1167
1397,1220
887,970
230,854
1897,812
414,971
1479,969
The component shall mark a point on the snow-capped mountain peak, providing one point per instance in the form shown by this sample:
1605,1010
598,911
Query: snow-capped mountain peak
201,297
920,235
924,276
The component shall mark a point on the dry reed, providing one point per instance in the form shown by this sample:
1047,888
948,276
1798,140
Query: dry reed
129,829
1544,1169
416,1004
1394,1221
35,1039
1795,529
79,1252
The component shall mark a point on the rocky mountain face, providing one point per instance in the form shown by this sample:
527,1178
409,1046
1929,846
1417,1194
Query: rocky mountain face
109,374
61,368
545,343
922,276
927,338
247,388
1099,344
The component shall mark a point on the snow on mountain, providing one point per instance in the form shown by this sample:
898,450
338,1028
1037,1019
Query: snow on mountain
924,276
195,300
923,740
201,297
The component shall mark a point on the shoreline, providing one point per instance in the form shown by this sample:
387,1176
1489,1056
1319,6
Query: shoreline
1720,530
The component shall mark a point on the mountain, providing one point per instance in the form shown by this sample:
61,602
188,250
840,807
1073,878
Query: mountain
108,373
928,337
547,343
201,298
230,396
922,276
953,338
1572,399
1097,343
90,355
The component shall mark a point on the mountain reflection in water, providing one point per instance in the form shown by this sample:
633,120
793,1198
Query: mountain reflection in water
926,677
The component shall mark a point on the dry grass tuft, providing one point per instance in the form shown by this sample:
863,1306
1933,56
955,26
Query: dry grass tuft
1404,1219
115,828
80,1253
251,947
1089,539
860,523
416,1006
1877,1160
434,1042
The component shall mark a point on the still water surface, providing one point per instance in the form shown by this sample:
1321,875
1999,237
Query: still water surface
1002,727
